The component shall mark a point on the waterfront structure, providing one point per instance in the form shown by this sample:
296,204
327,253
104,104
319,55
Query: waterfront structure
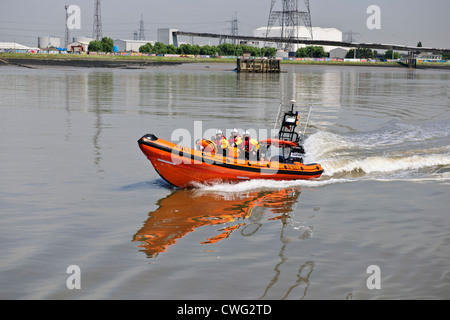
8,46
45,42
130,45
338,53
78,46
327,34
167,36
257,65
429,57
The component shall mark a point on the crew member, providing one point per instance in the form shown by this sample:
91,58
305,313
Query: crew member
250,147
235,139
221,142
234,142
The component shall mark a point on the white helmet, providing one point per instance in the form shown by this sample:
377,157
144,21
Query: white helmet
218,132
246,133
234,130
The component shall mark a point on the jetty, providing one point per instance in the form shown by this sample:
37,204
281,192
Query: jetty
257,65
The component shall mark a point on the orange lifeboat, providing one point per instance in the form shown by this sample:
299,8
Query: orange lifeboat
185,167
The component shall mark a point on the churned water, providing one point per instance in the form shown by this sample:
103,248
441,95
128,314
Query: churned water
77,191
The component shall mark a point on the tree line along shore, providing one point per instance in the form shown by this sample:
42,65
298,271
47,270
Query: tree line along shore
101,54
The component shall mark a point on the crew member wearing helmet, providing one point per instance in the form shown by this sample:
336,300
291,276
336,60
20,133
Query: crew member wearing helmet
250,147
235,139
221,142
234,142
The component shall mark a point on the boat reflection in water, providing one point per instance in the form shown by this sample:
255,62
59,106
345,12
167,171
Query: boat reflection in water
184,211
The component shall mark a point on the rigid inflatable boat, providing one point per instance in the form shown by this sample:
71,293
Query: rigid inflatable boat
186,167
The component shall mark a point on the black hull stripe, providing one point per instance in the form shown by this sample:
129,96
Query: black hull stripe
227,165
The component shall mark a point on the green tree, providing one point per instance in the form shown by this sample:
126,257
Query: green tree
107,44
146,48
170,49
311,51
254,51
388,55
185,48
419,45
360,53
196,49
268,52
95,46
208,50
159,48
227,49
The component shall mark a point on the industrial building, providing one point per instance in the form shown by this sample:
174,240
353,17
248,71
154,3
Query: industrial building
78,46
429,57
338,53
166,36
46,42
330,34
130,45
13,46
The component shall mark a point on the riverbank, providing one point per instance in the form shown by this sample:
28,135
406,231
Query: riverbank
86,61
129,62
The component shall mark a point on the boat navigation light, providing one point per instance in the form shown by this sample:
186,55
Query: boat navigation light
292,106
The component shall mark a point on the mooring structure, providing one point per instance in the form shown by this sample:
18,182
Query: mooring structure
258,65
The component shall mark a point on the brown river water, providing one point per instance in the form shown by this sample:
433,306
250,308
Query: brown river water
77,191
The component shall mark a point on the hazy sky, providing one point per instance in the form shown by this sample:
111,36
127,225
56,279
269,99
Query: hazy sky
402,21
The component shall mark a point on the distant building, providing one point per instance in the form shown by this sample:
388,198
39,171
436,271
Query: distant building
130,45
78,46
330,34
166,36
7,46
428,57
45,42
83,39
250,43
338,53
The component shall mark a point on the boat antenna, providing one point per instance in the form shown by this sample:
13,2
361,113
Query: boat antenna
276,119
292,105
306,124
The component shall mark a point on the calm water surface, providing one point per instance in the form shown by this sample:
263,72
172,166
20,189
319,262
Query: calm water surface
76,189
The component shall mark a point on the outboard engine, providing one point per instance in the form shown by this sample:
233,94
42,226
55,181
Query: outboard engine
297,154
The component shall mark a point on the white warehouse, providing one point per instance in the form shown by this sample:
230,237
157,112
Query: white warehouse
330,34
130,45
